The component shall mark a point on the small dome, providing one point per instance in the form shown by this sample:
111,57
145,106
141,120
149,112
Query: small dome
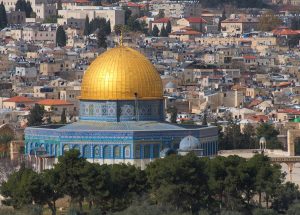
262,140
167,151
297,119
170,85
189,143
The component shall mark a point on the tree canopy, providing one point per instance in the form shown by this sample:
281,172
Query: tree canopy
3,16
61,37
36,115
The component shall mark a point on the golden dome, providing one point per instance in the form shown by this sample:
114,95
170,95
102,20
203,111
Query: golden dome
118,74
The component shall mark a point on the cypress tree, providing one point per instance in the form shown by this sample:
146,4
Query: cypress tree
87,30
155,31
101,39
107,28
3,16
28,9
63,118
20,5
61,37
221,19
169,27
163,32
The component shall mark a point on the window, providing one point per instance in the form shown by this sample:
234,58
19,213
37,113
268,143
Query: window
147,151
156,149
87,151
137,151
76,147
127,151
66,148
106,152
97,152
117,152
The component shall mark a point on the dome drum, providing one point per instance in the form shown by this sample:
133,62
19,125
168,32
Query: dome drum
122,110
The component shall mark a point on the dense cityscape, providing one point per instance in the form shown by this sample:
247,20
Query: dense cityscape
149,107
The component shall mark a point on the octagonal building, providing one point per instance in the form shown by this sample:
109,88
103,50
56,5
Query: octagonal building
121,117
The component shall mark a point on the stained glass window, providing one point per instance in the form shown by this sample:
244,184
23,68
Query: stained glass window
87,151
127,151
97,151
147,151
137,151
117,152
156,149
107,152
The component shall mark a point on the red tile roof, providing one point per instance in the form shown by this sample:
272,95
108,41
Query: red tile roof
162,20
289,111
188,32
249,57
19,99
258,118
196,20
53,102
132,4
283,31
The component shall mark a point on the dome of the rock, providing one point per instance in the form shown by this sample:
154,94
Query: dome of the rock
121,73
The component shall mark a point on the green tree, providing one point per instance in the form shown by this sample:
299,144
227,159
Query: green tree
36,115
96,182
248,137
28,9
22,188
173,111
286,195
155,31
294,209
293,41
163,32
295,23
204,120
51,191
107,28
59,5
181,181
222,18
270,133
169,27
126,181
69,173
61,37
101,39
127,14
22,5
86,31
161,14
63,117
3,16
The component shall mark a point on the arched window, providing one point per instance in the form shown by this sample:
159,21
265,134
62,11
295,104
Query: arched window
97,152
106,152
117,152
127,151
137,151
156,149
53,150
76,147
66,148
87,151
